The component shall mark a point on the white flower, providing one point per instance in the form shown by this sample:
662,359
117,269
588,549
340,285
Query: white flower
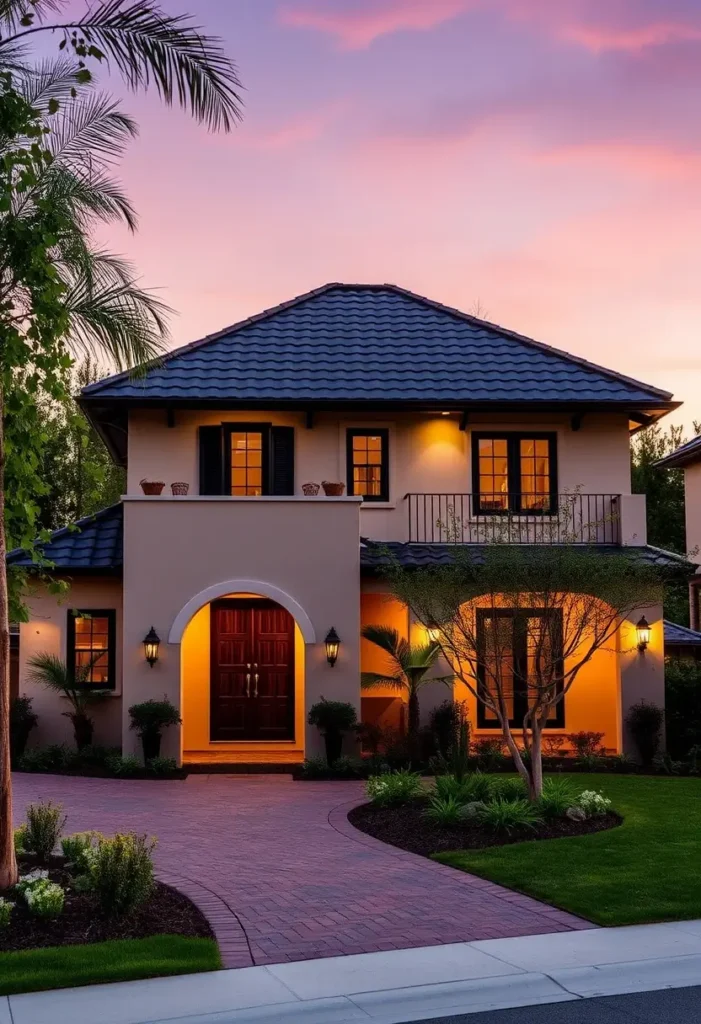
592,803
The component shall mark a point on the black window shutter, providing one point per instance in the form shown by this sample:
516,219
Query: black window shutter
211,460
282,460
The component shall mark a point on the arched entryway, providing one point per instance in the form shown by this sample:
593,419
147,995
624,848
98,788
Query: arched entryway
242,662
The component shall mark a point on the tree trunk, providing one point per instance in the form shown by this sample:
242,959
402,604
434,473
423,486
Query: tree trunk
414,714
8,862
535,789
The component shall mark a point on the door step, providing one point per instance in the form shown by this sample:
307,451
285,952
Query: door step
239,768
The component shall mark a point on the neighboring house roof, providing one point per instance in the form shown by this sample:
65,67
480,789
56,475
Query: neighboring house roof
683,456
675,635
92,544
376,554
354,342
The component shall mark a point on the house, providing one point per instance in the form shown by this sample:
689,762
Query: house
415,409
688,458
681,643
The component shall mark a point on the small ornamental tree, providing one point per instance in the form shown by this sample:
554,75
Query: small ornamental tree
518,623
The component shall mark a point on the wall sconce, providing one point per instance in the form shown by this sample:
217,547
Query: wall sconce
433,632
643,630
332,641
152,642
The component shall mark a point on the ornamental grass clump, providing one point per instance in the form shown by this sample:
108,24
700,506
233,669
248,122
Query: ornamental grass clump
466,790
510,788
508,816
558,796
121,872
43,829
392,788
445,810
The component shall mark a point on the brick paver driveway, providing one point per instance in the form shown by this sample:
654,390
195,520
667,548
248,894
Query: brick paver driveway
282,875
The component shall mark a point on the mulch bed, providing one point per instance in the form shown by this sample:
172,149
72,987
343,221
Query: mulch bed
166,912
408,828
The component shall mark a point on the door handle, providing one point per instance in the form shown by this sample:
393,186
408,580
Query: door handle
248,684
255,680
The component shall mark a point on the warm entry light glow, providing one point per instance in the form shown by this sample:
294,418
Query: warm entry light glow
151,644
332,642
643,631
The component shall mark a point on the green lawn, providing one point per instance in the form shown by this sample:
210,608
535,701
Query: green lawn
33,970
649,869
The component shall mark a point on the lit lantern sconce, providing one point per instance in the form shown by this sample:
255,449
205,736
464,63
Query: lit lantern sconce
433,633
152,642
643,630
333,642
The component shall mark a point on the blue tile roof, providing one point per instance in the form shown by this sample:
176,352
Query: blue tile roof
683,456
93,543
374,555
676,635
359,343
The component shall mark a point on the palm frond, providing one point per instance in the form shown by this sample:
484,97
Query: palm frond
49,670
115,317
85,195
49,80
12,12
370,680
423,655
91,129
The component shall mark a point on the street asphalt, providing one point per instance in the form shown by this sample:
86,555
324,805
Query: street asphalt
670,1006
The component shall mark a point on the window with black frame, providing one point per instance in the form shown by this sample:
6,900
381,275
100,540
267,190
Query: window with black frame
368,463
521,654
91,644
514,472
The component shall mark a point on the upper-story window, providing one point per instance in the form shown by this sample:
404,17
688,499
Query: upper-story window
368,463
514,472
246,459
92,643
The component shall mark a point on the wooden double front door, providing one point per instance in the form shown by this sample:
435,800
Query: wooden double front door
253,671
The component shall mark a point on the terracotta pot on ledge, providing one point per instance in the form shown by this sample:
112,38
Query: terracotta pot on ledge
333,490
179,487
152,486
310,490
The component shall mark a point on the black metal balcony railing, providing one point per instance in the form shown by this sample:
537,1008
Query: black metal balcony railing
514,519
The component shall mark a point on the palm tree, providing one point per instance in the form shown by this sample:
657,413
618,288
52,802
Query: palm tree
147,46
104,310
50,671
410,665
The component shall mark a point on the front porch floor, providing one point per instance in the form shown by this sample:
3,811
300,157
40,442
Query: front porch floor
283,876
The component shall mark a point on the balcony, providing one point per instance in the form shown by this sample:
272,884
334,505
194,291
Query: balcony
521,519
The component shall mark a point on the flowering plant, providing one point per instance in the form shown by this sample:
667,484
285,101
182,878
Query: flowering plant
593,804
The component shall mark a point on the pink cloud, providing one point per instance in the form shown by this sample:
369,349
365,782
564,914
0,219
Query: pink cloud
599,38
305,127
357,27
646,161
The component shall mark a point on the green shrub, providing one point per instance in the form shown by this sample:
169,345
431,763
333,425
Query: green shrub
95,756
333,718
45,899
6,908
54,758
444,810
44,826
665,765
153,716
510,787
508,816
397,787
22,720
124,767
315,768
557,797
473,787
162,766
347,767
490,755
122,873
682,706
645,723
79,848
593,763
552,746
586,744
593,804
20,839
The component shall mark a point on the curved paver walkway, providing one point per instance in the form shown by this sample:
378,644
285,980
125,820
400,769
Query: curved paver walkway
281,873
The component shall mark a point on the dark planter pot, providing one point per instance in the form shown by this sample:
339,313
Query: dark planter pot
334,746
19,736
151,745
83,729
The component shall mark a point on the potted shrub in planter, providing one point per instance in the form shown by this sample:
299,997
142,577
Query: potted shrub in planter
333,489
333,718
53,673
149,719
152,486
22,721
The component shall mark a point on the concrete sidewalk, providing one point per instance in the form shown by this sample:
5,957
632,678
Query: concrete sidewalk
385,988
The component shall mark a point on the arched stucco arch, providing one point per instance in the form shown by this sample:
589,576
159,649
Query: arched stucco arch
241,587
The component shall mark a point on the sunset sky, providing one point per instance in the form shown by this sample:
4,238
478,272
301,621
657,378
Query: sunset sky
536,160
